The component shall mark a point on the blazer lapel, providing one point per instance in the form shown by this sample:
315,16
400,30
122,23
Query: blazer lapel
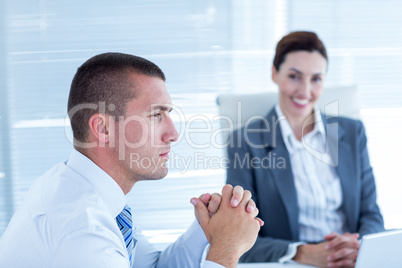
282,176
341,153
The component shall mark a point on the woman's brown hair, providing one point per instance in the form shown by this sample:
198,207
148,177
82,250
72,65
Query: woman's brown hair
296,41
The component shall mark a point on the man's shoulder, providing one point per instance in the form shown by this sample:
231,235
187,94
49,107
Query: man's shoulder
60,206
66,200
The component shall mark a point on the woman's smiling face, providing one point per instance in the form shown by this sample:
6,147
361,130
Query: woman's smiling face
300,79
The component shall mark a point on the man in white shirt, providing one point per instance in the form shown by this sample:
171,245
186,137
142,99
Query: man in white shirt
75,215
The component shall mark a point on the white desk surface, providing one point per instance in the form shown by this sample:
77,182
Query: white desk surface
272,265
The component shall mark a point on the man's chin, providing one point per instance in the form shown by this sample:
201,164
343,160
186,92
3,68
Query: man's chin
159,174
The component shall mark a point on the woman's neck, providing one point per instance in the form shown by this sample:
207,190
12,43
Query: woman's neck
301,125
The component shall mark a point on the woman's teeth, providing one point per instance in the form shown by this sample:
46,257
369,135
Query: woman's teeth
301,101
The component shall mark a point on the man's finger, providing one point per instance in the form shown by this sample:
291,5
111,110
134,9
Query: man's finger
261,222
205,198
214,202
227,191
237,196
246,198
251,206
201,211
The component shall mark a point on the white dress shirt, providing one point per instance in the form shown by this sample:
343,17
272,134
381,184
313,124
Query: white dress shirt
68,220
318,187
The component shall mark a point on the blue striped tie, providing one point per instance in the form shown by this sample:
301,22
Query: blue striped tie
125,223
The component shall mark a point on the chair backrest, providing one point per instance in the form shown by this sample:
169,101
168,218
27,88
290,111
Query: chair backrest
240,108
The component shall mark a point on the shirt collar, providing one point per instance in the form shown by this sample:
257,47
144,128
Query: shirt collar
107,188
289,138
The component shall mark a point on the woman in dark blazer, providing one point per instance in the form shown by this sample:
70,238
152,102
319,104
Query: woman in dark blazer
310,175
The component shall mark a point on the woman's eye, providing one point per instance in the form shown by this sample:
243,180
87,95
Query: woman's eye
316,79
293,76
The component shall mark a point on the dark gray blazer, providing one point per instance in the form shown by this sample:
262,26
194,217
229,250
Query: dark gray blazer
270,180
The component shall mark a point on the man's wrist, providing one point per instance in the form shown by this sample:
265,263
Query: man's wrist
223,256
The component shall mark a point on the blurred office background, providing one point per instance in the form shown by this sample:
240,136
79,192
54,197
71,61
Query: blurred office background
205,48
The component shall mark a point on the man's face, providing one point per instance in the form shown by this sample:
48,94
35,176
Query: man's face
145,134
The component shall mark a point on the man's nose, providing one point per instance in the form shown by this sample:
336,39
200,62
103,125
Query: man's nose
170,134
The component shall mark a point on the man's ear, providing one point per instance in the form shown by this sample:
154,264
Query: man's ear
274,73
100,128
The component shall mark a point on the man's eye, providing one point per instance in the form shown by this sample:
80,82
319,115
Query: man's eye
157,115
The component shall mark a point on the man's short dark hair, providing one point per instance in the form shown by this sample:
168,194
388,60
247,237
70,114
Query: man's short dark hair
104,78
